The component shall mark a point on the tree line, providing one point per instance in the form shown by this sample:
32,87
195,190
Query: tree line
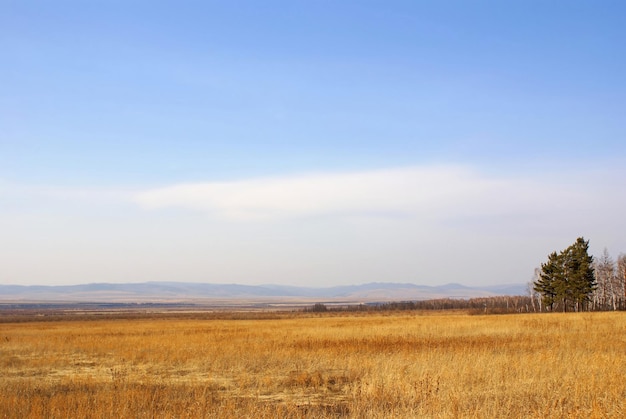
571,280
479,305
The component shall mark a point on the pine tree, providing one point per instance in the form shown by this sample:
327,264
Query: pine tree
567,278
546,284
580,273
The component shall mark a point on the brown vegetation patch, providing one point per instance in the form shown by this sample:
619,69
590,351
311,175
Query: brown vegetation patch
402,364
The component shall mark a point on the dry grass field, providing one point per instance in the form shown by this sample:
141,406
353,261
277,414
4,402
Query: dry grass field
365,365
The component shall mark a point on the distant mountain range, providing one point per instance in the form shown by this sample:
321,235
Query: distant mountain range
182,291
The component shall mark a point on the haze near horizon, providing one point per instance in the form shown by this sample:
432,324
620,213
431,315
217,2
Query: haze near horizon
308,143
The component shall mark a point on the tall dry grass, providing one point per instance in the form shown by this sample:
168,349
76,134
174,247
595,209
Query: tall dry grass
360,365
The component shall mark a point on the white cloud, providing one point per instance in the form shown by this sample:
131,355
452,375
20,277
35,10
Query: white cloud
425,191
423,224
431,224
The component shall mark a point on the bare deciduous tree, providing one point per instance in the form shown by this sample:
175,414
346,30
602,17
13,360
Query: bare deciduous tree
605,297
621,279
532,293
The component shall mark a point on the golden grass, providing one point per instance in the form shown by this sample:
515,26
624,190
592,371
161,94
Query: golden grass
388,365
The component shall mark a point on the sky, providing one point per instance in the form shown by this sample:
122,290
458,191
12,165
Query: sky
312,143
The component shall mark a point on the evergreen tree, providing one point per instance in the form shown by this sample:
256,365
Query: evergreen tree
580,273
567,278
550,275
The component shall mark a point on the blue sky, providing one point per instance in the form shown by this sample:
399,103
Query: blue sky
308,142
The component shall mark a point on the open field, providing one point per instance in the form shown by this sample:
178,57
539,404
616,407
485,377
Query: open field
369,365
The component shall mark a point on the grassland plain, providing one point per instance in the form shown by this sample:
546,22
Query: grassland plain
364,365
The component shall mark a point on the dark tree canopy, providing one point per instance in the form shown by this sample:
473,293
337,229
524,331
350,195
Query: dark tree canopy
567,279
549,278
